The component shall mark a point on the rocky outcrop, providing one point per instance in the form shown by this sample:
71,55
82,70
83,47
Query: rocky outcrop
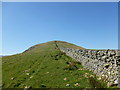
104,63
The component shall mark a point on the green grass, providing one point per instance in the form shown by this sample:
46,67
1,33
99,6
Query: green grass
44,66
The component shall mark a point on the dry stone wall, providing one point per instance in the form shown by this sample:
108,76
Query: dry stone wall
104,63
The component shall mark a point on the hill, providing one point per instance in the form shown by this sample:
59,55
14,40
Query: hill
45,66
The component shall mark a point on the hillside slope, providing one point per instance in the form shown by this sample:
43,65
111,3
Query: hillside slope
44,65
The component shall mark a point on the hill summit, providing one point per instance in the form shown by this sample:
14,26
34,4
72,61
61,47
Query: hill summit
52,44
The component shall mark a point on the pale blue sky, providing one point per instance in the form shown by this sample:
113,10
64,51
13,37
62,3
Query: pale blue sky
90,25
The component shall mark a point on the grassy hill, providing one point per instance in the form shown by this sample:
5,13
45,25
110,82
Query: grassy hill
45,66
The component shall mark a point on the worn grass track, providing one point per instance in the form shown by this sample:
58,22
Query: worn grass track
45,66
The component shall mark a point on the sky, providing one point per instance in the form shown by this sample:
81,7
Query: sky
92,25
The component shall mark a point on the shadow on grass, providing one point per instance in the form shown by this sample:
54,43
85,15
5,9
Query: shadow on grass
97,85
72,65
